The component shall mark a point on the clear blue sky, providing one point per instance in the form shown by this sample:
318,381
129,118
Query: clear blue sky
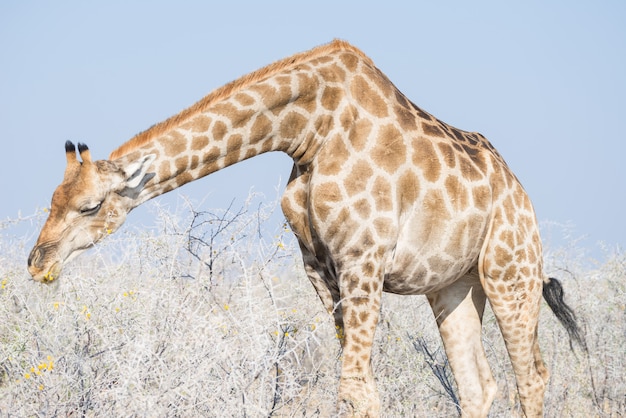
544,81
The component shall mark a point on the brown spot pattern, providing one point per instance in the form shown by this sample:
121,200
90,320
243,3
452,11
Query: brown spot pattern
219,130
333,156
447,152
426,158
359,134
174,144
381,192
368,97
435,215
199,123
357,179
350,61
408,188
245,99
406,118
181,163
432,130
195,161
261,128
347,117
292,125
384,227
331,97
199,142
164,170
324,124
457,193
324,197
469,170
332,73
481,196
503,256
363,208
389,153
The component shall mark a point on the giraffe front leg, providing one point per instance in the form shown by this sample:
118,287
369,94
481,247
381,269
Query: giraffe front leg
327,291
360,308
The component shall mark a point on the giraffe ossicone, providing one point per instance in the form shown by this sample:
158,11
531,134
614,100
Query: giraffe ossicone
382,197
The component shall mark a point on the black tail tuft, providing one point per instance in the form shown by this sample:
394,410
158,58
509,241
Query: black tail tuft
553,294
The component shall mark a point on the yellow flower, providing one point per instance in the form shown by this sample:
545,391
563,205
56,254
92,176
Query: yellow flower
281,245
340,335
26,376
40,387
4,283
226,307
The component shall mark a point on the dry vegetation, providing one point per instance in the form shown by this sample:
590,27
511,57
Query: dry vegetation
209,314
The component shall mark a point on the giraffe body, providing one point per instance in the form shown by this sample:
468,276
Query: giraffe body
382,197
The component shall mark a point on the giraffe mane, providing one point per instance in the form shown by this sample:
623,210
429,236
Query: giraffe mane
228,89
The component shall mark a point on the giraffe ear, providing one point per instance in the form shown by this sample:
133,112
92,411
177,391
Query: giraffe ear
136,172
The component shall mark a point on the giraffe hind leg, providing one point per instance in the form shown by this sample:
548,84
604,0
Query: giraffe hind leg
515,301
458,309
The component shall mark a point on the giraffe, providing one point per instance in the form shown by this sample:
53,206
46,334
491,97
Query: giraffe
383,197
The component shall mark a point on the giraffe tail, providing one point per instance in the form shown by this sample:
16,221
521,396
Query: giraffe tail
553,294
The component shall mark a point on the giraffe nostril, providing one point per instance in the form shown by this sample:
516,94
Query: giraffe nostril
35,258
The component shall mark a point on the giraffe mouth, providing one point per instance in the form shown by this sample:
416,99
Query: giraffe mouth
48,270
48,276
53,273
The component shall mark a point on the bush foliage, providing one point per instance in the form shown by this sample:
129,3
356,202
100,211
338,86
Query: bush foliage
210,314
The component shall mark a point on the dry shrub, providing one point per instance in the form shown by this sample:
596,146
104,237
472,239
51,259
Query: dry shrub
210,314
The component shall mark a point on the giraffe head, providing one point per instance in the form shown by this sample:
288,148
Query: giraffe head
91,202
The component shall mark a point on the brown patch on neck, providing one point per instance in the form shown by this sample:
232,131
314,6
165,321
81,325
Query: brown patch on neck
230,88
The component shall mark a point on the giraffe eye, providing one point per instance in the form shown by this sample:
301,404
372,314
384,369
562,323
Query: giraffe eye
90,210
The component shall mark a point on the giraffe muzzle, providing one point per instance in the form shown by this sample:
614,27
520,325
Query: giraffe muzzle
35,259
37,266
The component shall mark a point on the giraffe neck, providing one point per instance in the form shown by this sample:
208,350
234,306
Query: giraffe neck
292,111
